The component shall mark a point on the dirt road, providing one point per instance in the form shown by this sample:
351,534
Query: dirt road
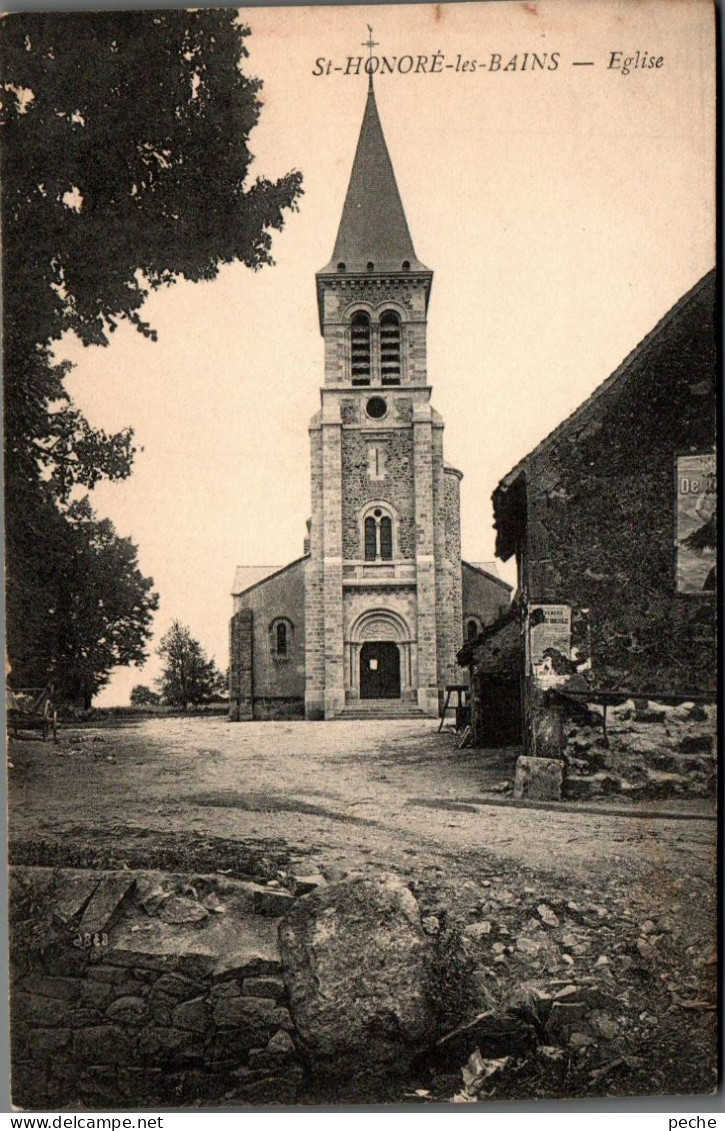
348,793
628,901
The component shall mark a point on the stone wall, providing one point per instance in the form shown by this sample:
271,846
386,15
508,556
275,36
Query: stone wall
146,989
648,751
264,684
594,512
395,487
241,630
314,586
342,293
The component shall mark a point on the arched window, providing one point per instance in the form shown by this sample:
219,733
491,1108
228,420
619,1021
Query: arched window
360,348
378,535
473,627
371,539
390,348
280,638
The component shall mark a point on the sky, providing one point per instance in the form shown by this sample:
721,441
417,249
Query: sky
563,212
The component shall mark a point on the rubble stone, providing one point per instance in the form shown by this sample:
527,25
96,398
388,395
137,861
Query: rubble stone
538,779
357,967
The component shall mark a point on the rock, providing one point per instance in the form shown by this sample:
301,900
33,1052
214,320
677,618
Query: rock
102,1044
303,885
96,994
48,1043
160,1044
357,968
547,916
65,989
528,945
696,744
273,903
264,987
477,931
646,950
176,986
650,714
71,896
132,1010
194,1015
281,1043
271,1089
105,903
236,1012
631,765
603,1024
249,963
592,785
538,779
37,1010
180,909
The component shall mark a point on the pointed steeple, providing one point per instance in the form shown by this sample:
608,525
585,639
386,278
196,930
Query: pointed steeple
373,229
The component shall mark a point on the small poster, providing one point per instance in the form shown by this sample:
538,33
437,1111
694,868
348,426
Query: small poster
549,634
696,524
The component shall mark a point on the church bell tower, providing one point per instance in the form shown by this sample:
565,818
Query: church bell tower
383,580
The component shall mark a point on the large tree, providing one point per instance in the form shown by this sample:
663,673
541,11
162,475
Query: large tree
125,166
105,607
188,677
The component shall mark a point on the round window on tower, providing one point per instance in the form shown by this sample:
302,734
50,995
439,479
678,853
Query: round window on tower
376,408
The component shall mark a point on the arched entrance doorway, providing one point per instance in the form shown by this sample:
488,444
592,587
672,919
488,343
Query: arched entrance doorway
380,636
380,670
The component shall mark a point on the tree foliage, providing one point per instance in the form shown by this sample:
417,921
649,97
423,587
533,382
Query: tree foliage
187,676
143,696
125,165
97,606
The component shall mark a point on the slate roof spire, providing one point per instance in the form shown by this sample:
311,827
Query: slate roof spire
373,229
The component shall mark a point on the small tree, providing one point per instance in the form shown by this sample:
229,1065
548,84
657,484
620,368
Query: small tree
188,677
143,696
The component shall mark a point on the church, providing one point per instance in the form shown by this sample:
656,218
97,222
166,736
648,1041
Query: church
369,619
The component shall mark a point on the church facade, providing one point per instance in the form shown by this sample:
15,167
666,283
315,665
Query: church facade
378,605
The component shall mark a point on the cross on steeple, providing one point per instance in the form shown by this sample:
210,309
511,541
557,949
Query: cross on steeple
370,43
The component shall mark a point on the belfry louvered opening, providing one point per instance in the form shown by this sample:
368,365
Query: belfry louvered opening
360,348
390,348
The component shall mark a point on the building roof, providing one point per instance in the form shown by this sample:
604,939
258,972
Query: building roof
373,228
591,403
490,570
590,409
248,576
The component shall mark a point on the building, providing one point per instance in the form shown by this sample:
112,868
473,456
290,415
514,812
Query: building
612,523
377,606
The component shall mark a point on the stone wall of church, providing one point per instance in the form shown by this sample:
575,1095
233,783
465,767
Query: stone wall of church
398,599
241,630
396,487
448,574
263,683
314,598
